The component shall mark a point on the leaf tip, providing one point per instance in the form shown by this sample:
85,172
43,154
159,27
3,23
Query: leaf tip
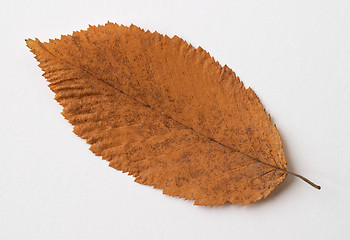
30,42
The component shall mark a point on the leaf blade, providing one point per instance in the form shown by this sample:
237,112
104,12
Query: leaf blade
104,78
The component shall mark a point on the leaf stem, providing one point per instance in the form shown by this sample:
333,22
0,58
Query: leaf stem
305,179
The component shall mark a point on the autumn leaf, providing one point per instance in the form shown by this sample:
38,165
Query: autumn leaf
166,113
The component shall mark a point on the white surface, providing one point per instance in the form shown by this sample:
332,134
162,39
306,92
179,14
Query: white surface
296,56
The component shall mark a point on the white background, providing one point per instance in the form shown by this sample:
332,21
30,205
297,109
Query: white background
295,55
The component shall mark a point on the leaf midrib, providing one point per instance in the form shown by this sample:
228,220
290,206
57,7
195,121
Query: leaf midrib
163,114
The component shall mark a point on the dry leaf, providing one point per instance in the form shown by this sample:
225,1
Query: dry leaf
165,112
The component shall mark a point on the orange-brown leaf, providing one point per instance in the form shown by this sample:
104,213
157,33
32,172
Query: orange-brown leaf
165,112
